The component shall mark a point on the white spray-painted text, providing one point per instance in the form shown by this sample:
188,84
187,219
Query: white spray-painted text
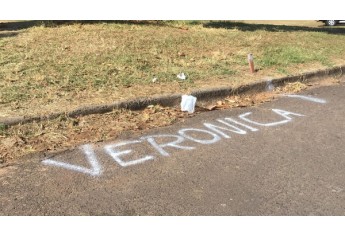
185,139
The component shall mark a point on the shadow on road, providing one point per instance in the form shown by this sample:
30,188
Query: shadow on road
11,28
17,25
272,28
5,35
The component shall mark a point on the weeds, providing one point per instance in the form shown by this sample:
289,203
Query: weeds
59,66
3,128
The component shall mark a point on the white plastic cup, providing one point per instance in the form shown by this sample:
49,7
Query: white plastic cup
188,103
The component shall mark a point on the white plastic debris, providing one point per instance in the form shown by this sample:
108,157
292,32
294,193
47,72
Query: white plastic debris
154,80
269,85
181,76
188,103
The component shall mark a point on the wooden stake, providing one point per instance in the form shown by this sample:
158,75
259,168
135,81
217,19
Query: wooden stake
251,62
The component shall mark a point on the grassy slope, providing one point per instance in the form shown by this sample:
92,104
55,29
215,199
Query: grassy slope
46,69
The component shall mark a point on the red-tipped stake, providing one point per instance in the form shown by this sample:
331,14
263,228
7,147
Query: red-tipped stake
251,62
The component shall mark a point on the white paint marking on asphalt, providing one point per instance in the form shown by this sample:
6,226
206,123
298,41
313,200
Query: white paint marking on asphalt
215,138
307,98
277,111
159,147
227,124
239,123
217,128
110,149
91,157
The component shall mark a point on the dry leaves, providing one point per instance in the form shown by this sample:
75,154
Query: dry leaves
292,87
65,132
240,101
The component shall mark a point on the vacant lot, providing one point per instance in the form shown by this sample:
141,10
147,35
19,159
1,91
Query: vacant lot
49,67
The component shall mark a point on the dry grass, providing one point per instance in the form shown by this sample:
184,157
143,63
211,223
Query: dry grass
63,132
48,69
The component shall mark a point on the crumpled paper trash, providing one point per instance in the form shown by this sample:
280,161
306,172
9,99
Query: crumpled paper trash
181,76
188,103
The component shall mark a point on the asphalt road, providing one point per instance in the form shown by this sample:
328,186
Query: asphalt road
285,161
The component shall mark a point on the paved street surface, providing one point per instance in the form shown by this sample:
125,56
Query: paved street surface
285,157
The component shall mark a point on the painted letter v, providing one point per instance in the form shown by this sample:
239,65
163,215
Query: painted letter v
95,169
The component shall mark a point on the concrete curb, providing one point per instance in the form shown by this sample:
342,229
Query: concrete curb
174,99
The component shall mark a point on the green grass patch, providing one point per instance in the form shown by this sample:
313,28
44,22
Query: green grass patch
286,55
3,129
